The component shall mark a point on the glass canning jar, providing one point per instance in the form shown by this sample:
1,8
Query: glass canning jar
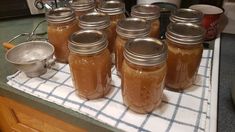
61,24
98,21
185,15
151,13
185,49
90,63
128,28
143,74
116,11
82,7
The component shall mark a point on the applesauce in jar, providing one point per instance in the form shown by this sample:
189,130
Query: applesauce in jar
185,49
82,7
116,11
128,28
185,15
151,13
143,74
90,63
61,24
97,21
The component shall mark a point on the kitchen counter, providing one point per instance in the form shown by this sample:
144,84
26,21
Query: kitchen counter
11,28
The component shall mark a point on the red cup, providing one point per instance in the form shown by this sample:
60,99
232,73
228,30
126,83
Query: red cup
210,20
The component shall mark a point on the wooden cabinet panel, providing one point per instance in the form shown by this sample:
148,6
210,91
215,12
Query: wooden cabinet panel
21,118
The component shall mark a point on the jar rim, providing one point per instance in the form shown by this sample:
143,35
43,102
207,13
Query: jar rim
145,11
186,15
111,7
83,6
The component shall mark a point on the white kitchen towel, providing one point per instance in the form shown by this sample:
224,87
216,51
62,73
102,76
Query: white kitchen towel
185,111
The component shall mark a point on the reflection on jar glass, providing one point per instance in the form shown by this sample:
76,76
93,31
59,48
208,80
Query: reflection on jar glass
82,7
150,13
61,24
116,11
97,21
184,15
128,28
90,63
143,74
185,49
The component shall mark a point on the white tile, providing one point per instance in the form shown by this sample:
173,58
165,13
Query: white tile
170,96
21,78
111,92
134,118
194,90
88,111
156,124
55,100
204,62
69,82
71,105
74,97
126,127
58,65
186,116
96,104
60,77
40,94
114,109
203,121
62,91
190,102
165,110
49,73
47,87
66,69
107,120
181,128
116,81
34,82
118,97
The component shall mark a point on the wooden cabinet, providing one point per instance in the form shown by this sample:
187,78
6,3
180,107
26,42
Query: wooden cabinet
16,117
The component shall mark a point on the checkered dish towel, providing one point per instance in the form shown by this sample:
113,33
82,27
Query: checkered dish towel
185,111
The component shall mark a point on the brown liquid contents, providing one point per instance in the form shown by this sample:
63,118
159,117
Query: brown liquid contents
91,74
155,29
119,48
142,87
58,35
182,65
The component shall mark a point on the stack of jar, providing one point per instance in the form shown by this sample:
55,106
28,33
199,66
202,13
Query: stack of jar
144,63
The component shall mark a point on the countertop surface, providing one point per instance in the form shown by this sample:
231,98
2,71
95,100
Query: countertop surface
11,28
226,109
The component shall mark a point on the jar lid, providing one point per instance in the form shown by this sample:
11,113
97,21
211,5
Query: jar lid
133,27
185,33
112,7
145,11
83,5
60,15
94,20
186,15
145,51
86,42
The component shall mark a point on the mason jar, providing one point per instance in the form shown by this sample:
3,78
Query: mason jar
82,7
151,13
61,24
128,28
98,21
116,11
90,63
185,15
143,74
185,49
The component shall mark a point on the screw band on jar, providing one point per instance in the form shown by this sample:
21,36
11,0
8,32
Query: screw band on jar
145,51
83,5
60,15
186,15
133,27
79,42
145,11
94,20
112,7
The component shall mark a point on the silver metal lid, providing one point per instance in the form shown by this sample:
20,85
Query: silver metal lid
145,11
83,5
186,15
112,7
94,20
87,42
133,28
185,33
60,15
145,51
